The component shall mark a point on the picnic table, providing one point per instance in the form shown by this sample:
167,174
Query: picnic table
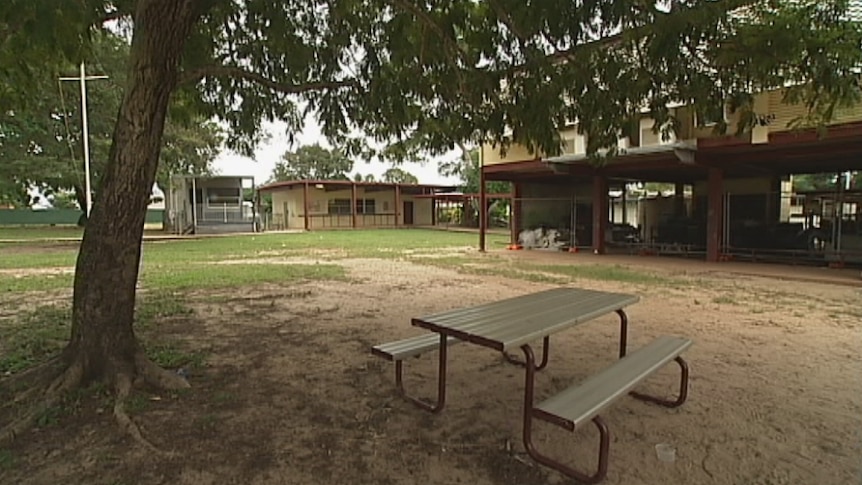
515,323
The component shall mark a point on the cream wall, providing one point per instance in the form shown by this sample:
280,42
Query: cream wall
769,103
290,201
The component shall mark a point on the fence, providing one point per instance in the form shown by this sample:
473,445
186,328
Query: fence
803,228
58,217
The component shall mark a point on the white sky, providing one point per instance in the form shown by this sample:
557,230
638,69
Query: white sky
267,154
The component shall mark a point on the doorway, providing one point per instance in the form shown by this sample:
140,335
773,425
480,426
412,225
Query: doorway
408,213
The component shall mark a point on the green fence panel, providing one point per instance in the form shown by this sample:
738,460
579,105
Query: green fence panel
58,217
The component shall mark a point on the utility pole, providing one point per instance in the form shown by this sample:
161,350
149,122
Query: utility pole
83,78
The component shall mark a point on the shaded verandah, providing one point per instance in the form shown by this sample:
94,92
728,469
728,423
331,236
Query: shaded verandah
708,165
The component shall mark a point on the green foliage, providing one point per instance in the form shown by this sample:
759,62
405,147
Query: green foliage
822,181
418,76
468,168
41,138
312,162
397,175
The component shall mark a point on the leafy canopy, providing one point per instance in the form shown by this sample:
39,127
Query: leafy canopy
312,162
396,175
41,138
426,74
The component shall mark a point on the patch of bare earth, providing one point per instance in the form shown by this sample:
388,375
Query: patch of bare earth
291,394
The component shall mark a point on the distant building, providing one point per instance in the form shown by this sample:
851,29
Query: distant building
205,204
325,204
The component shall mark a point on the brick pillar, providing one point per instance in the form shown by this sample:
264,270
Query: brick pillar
600,212
714,214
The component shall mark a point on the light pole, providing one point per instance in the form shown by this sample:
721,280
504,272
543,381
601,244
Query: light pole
83,78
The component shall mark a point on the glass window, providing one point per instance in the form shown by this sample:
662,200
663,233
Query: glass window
338,206
365,206
218,196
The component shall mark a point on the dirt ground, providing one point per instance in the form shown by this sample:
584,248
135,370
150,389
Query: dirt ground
290,393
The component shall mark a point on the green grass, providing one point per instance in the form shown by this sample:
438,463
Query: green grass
40,232
545,273
184,264
7,460
171,357
35,336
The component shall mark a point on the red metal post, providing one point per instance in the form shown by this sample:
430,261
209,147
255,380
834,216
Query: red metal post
516,213
305,203
397,203
483,209
353,202
714,214
600,212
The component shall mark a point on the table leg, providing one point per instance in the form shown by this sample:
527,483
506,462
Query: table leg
546,345
624,331
604,435
441,381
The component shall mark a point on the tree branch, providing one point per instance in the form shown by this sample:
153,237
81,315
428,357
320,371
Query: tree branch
424,17
639,32
195,75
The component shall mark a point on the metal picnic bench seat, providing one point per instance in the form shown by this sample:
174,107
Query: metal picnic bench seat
514,323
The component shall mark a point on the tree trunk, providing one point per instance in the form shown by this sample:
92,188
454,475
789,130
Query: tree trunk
103,345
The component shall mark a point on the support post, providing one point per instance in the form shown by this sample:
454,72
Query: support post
353,201
397,204
714,214
483,210
600,212
433,212
516,212
194,206
625,218
679,200
305,204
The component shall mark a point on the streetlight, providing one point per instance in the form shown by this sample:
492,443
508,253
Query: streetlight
83,78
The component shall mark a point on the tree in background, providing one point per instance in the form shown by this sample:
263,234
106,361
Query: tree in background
405,71
41,143
822,181
397,175
468,168
312,162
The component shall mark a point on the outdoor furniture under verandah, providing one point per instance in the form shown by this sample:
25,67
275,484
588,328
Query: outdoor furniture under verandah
513,324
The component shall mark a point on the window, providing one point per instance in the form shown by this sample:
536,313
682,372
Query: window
338,206
365,206
223,197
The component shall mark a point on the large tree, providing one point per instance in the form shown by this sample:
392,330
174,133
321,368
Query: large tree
412,71
312,162
41,141
397,175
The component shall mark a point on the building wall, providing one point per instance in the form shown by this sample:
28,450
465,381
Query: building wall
769,103
289,211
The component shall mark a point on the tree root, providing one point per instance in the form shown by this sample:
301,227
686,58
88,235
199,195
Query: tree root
54,383
52,394
153,375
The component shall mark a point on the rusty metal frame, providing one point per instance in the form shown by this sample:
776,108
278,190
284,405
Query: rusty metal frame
683,389
433,407
624,331
546,342
530,413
